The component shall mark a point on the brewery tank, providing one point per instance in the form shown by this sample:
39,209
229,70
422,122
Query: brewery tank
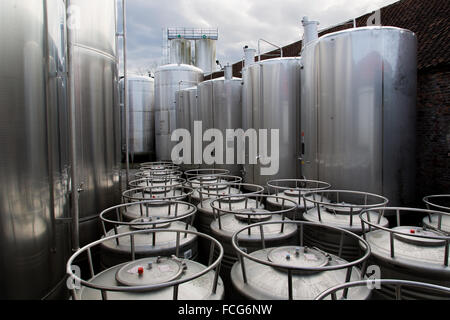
293,271
96,102
168,80
294,189
358,92
220,107
186,104
159,214
271,100
180,51
54,89
233,212
408,252
151,278
205,55
141,116
340,208
34,139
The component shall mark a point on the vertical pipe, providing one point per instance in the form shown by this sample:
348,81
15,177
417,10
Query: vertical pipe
125,88
74,196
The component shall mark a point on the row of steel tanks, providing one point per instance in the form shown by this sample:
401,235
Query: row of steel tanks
298,241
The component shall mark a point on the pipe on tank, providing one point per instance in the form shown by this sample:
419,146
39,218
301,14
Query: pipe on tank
249,56
310,30
75,187
228,72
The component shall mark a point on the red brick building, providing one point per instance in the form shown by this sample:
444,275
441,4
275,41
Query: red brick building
429,20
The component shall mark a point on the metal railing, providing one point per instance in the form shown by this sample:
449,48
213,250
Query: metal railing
399,285
146,207
214,264
359,201
253,208
291,269
367,226
192,33
177,192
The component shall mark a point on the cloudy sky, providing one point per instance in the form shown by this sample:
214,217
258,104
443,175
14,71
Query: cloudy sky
240,22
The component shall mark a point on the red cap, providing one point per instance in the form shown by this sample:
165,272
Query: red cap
413,231
140,270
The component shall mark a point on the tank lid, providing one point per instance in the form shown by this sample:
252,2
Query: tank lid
366,29
178,67
412,235
300,257
253,214
150,271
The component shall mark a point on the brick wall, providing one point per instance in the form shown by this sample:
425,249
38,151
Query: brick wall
433,131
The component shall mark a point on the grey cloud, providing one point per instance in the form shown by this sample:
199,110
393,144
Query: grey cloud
240,22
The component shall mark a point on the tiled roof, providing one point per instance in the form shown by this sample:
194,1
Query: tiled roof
429,20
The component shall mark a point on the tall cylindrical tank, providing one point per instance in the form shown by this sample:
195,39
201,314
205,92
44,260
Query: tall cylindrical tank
97,114
220,106
168,80
358,111
205,55
141,115
185,100
271,100
180,51
33,140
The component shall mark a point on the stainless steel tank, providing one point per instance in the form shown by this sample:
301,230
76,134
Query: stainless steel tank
339,209
159,169
180,51
294,272
211,191
162,181
158,215
202,184
408,252
293,189
173,191
439,222
233,212
271,100
196,178
34,233
185,100
220,107
358,92
96,101
205,55
141,115
152,278
168,80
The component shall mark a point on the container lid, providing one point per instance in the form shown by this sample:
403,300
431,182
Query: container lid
254,214
150,271
300,257
411,232
141,223
342,208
